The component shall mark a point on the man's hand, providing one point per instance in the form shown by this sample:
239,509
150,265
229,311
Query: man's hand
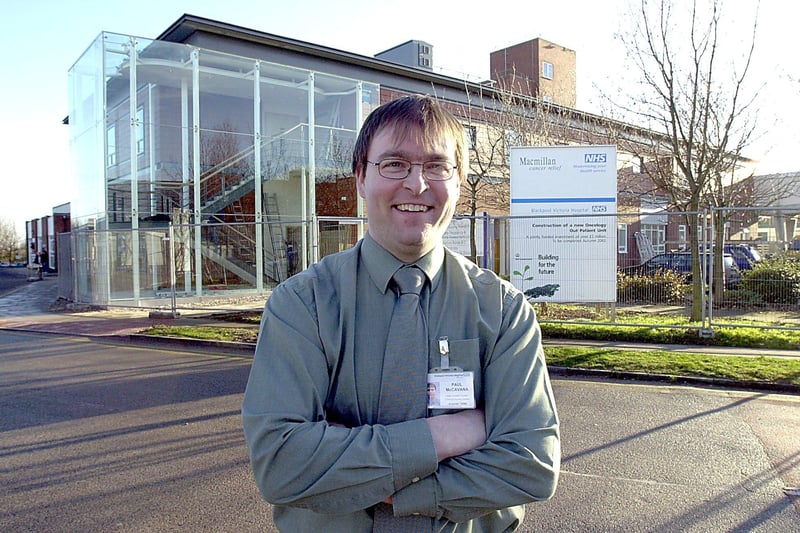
458,433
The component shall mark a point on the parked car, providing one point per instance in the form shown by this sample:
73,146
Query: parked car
681,262
745,255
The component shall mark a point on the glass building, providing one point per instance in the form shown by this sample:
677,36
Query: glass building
197,169
215,160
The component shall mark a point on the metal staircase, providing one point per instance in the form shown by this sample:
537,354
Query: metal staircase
222,188
646,248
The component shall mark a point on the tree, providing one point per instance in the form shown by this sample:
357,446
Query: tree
499,118
10,241
698,106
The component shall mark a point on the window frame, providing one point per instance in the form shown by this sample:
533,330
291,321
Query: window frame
548,70
622,238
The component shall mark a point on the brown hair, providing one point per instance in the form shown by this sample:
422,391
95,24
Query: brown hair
416,115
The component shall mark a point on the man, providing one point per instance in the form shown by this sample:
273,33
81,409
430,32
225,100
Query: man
312,409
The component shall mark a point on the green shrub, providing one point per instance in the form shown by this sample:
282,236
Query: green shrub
775,280
664,286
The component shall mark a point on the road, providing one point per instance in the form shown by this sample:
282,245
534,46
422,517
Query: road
107,437
12,278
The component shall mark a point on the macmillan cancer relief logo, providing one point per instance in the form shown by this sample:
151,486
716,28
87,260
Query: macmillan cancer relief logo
538,164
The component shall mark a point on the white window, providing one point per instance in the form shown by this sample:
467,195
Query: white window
140,130
470,132
547,70
111,145
622,238
655,234
682,238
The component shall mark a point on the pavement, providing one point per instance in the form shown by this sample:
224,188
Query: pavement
35,307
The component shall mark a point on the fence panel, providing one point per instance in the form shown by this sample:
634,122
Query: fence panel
649,250
765,245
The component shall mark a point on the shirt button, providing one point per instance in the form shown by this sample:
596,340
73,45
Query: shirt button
414,480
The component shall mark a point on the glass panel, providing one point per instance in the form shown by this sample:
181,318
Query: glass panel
370,100
336,120
165,92
284,167
226,136
87,134
116,58
284,134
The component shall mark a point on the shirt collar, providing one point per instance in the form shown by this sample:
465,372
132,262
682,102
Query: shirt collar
381,265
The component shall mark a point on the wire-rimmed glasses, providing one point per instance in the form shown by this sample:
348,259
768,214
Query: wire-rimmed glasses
398,169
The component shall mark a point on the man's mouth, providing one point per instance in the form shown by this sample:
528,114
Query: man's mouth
412,207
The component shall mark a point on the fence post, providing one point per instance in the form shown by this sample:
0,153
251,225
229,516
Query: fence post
706,268
486,246
314,239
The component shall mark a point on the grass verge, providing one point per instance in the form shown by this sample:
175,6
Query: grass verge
759,369
740,368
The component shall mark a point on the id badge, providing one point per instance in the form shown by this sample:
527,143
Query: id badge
450,389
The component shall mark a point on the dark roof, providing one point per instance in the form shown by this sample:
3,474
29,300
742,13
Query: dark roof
183,28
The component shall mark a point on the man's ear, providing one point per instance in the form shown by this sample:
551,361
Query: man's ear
360,176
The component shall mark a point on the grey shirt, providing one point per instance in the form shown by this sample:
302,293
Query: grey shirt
318,367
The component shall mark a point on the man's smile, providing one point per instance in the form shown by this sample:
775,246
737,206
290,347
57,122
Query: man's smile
412,207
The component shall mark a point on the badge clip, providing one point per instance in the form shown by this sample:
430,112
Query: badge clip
444,355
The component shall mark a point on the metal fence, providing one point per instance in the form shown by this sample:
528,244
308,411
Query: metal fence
649,254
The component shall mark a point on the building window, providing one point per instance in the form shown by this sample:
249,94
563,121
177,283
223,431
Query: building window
682,238
622,238
111,145
655,234
140,130
635,164
547,70
472,136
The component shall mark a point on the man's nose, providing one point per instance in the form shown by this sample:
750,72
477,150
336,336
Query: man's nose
415,181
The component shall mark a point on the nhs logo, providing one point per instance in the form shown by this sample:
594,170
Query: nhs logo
594,158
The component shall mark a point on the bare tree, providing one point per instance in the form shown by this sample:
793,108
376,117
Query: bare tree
696,103
486,186
10,241
499,118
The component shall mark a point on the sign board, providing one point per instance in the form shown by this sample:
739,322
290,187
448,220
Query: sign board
456,237
563,229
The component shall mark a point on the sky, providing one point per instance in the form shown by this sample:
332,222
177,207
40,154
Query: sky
41,39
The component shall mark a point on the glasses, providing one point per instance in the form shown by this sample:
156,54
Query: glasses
398,169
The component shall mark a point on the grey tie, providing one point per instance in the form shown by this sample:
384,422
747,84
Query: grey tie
404,381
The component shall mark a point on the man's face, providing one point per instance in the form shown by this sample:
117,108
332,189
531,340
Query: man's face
408,217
